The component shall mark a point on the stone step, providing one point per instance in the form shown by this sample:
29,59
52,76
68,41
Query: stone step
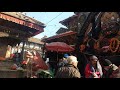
6,64
7,73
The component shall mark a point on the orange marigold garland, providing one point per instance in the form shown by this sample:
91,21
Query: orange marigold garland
114,45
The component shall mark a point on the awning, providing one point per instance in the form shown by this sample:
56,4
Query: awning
21,22
58,47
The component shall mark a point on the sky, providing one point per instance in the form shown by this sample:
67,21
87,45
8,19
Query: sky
51,20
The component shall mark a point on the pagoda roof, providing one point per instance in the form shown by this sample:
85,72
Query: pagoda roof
19,22
68,33
65,21
62,30
21,16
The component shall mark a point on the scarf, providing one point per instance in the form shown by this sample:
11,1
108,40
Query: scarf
99,68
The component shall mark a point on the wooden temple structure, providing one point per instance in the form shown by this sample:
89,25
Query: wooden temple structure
67,35
15,28
91,33
99,35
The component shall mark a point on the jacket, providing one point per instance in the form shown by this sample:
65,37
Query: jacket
89,71
68,71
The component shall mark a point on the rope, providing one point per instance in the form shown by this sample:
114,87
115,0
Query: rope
54,18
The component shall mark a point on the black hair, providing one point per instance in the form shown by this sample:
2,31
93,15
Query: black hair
107,62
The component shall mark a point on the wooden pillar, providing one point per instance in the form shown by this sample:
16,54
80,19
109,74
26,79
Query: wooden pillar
80,56
22,52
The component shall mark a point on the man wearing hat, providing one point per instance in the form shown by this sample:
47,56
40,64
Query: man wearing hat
70,70
109,68
66,55
63,60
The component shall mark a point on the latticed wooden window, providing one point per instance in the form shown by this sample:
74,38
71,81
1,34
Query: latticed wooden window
73,24
81,20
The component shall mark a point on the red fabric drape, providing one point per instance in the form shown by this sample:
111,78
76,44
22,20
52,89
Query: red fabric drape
40,62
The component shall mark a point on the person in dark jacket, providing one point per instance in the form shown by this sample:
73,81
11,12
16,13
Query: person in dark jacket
70,70
109,69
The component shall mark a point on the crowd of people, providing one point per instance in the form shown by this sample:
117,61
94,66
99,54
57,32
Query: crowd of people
65,67
68,68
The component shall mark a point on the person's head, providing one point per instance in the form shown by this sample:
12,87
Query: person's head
93,60
107,64
66,55
72,60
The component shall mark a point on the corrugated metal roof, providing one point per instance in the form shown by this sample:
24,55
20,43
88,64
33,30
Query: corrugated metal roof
35,40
